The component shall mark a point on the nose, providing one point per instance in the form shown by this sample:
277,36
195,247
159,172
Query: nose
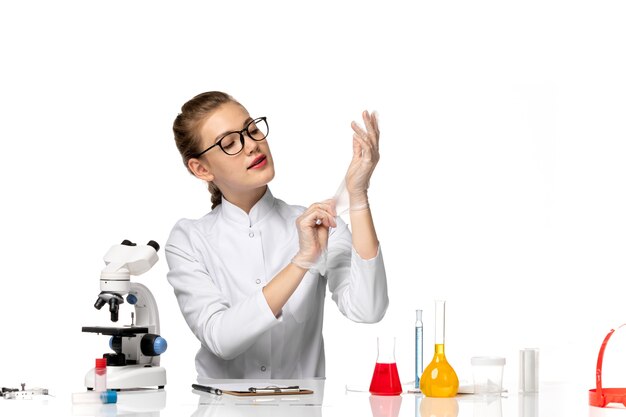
249,145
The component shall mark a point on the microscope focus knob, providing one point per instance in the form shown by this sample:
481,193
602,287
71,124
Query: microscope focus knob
160,345
153,345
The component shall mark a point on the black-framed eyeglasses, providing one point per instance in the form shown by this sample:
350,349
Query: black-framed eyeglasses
232,142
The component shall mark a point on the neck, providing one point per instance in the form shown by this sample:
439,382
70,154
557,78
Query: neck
246,200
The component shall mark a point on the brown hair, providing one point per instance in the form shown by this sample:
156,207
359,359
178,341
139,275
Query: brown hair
187,129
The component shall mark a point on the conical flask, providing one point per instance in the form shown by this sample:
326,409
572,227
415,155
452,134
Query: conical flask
439,378
386,380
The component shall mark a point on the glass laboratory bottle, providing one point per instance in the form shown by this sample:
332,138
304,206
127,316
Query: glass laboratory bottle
386,380
419,347
439,378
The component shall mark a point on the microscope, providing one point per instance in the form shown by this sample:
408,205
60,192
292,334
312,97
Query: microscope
137,347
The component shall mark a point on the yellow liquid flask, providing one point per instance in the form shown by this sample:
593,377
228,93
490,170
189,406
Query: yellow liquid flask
439,378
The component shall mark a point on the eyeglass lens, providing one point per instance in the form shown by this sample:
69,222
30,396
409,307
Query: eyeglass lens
233,143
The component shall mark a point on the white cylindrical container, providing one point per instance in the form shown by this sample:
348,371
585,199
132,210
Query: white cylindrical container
529,370
487,372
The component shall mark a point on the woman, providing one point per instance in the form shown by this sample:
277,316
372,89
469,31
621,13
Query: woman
243,273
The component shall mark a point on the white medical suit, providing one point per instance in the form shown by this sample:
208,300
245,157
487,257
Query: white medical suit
219,265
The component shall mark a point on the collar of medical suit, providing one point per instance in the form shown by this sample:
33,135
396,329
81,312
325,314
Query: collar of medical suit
257,213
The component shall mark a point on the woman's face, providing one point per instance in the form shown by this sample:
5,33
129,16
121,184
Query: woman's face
235,175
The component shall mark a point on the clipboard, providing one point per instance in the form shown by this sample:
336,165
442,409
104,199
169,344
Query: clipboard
255,391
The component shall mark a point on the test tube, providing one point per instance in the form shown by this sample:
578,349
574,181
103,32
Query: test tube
93,397
100,375
419,347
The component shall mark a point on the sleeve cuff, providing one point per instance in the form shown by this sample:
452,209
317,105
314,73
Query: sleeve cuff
367,263
265,311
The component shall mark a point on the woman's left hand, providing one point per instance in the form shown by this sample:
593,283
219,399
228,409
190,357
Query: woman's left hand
364,159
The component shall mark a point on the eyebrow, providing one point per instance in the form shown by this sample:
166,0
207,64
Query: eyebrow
245,123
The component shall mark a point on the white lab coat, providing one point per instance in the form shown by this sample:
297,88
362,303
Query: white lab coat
218,267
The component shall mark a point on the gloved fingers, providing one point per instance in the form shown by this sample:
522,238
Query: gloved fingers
358,130
318,214
326,205
372,127
332,202
365,156
330,205
371,133
374,120
313,230
369,155
368,152
322,234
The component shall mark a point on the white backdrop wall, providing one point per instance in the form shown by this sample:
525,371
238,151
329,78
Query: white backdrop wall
500,185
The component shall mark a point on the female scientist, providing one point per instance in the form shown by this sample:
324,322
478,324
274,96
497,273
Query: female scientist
243,273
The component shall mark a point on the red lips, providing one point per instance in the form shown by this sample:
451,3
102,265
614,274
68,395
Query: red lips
258,161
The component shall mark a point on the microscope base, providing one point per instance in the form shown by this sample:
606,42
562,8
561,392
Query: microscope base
130,377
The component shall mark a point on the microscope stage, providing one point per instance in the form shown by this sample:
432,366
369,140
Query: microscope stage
116,331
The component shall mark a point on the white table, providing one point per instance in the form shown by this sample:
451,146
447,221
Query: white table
329,400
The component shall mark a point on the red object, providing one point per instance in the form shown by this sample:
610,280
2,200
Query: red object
101,363
601,397
386,380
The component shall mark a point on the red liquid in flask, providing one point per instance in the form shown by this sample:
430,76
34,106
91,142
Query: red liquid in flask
386,380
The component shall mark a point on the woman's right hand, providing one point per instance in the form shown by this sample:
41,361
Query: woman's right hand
313,225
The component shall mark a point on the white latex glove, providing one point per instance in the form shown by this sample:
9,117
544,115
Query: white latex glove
313,227
364,159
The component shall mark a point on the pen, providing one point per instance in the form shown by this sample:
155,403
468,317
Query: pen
294,388
206,388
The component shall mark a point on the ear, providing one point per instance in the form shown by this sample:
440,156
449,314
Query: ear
200,169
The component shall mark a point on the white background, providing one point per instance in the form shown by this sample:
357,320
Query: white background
500,186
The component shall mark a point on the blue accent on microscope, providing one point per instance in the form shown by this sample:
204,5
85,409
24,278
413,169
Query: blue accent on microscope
160,345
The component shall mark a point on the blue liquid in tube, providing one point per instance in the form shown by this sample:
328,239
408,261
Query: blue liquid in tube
419,348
